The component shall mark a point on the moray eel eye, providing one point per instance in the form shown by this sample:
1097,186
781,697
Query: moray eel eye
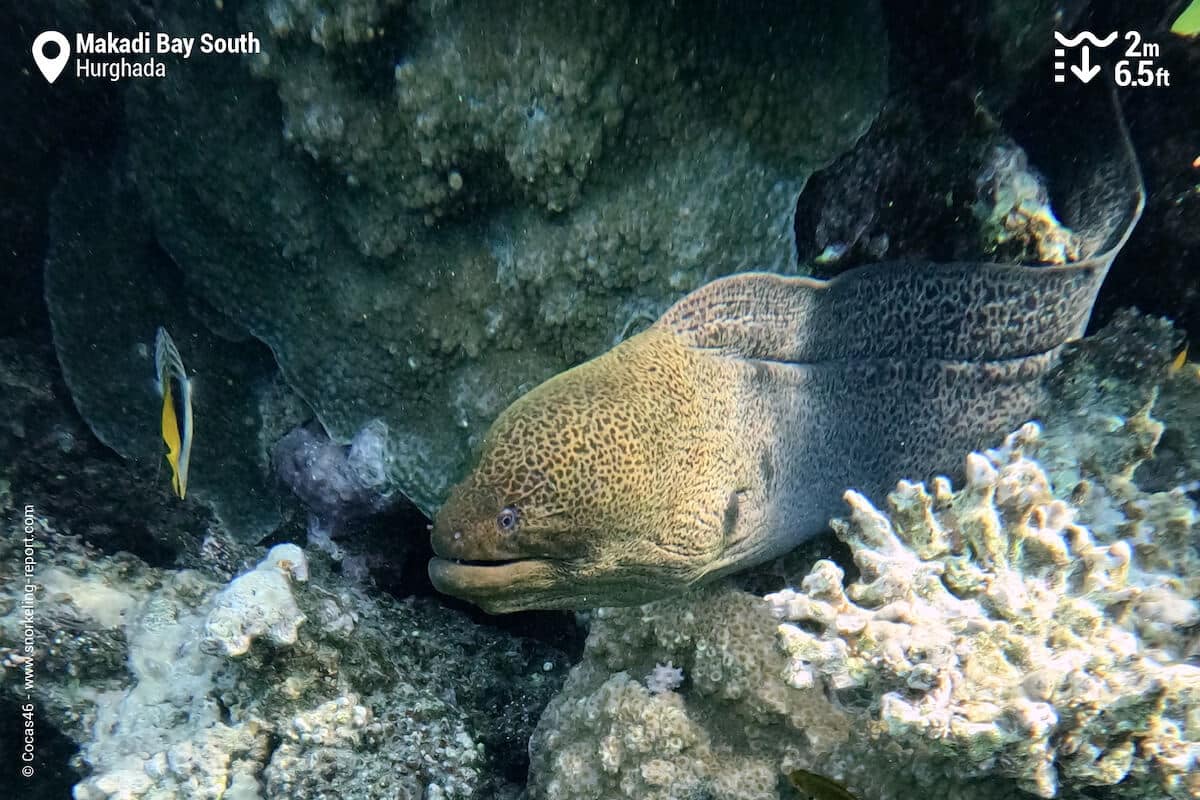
506,520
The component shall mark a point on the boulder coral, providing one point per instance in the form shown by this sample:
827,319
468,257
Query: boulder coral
424,208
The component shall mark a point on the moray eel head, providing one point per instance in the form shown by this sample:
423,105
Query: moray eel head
492,541
564,508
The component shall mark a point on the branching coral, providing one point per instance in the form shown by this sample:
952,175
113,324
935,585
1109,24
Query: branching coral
995,630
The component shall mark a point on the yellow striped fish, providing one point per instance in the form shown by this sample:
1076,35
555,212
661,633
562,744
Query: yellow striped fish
169,367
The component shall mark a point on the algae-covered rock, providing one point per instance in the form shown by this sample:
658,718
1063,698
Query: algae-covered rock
424,208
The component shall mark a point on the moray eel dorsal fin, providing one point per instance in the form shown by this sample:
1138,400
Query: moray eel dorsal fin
961,345
728,431
914,309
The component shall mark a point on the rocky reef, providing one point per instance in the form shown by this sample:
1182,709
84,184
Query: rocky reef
424,208
1035,629
289,681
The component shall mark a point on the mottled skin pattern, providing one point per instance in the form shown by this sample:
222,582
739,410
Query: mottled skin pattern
619,473
727,433
664,462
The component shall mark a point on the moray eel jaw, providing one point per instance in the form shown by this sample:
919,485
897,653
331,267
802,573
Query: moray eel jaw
546,559
521,584
497,587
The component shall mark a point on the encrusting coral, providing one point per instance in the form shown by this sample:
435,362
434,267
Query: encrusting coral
610,735
288,681
1034,630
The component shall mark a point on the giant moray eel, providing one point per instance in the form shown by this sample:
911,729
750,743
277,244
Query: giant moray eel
728,431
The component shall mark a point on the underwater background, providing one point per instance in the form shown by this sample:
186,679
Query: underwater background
314,269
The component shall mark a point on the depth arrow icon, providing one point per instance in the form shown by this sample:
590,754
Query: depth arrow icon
1086,69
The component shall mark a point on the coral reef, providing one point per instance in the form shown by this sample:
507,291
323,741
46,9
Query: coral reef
608,735
343,748
995,632
286,682
461,199
1034,630
407,212
647,734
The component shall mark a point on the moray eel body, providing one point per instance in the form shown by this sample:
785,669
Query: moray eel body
727,432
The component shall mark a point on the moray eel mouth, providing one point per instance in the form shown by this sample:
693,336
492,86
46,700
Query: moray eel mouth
522,584
495,569
497,586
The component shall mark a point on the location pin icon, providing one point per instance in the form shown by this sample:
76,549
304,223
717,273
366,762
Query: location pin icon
51,67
